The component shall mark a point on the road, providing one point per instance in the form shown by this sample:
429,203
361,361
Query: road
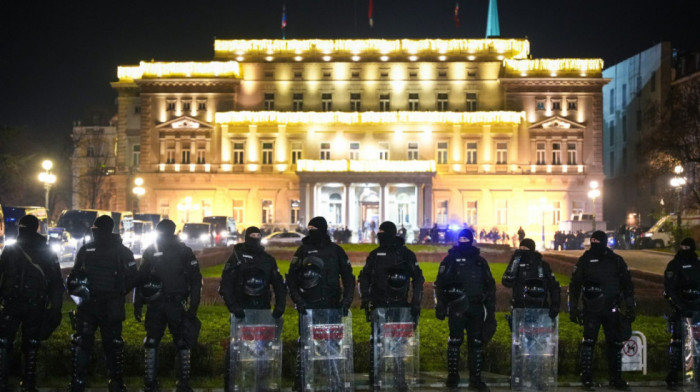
643,260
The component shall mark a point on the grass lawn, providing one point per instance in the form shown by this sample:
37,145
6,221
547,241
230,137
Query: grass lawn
430,271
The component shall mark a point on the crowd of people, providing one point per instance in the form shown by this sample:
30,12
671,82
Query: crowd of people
168,283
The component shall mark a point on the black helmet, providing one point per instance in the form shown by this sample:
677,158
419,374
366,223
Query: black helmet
311,272
151,290
534,288
78,288
254,283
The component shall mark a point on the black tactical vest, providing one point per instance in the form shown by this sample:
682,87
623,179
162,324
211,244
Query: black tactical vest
103,269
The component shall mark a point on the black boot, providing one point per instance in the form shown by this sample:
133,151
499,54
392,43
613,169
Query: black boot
5,357
675,364
586,362
372,386
183,373
80,360
115,366
31,352
615,367
299,376
400,383
452,366
150,373
476,362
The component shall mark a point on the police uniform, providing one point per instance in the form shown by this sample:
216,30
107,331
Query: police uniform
173,266
389,272
106,270
246,280
314,277
465,291
31,291
603,283
682,289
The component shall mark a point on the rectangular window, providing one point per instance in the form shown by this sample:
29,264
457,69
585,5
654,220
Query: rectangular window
298,75
413,74
135,155
186,106
612,100
267,212
572,104
185,152
413,102
556,104
327,74
296,152
652,82
471,153
412,151
294,209
612,163
540,104
90,151
384,74
238,153
624,95
576,210
556,212
384,151
171,105
639,120
355,75
470,217
201,104
238,211
201,153
541,154
501,153
355,102
384,102
354,151
170,153
268,74
442,153
137,109
471,102
269,101
571,153
326,102
501,212
441,212
442,73
624,128
297,102
556,153
325,151
267,149
611,127
442,102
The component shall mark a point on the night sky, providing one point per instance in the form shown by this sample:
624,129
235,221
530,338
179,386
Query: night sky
58,57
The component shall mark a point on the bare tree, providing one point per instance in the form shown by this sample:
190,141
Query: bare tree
93,161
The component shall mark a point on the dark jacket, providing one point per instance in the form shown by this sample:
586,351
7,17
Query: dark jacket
466,270
384,261
527,266
177,268
29,270
251,263
108,266
336,268
682,281
608,272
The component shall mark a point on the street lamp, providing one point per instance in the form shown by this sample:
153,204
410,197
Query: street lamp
678,182
139,191
593,194
48,179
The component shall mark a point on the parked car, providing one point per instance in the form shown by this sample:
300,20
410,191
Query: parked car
281,238
612,240
142,236
62,244
224,227
197,235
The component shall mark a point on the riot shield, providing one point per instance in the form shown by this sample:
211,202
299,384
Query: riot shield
396,349
256,352
691,351
534,350
326,354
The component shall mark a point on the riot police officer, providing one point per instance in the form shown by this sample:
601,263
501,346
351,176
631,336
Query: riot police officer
103,273
170,284
601,277
532,281
246,280
465,291
31,290
682,289
389,272
317,268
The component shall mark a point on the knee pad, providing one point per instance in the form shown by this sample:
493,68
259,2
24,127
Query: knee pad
149,342
117,343
82,340
31,344
588,342
454,342
475,343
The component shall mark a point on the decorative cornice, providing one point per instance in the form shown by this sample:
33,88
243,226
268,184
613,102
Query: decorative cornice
554,81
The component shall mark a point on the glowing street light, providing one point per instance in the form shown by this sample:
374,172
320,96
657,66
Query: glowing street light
48,179
139,191
678,182
593,194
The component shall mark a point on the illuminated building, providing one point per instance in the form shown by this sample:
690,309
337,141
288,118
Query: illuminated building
415,131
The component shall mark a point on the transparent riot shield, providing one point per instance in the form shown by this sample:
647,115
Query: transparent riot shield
255,361
691,352
396,349
326,354
534,350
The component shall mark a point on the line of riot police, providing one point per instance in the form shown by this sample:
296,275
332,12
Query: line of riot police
321,284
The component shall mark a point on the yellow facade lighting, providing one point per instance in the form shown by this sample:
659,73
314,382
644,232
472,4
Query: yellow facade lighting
189,69
365,166
268,117
554,66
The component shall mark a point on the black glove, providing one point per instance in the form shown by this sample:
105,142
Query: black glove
346,310
575,316
239,313
138,313
277,313
553,312
440,312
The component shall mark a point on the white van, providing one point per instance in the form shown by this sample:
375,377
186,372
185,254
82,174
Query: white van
661,234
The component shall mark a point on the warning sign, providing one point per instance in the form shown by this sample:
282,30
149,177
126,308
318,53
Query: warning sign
630,348
634,358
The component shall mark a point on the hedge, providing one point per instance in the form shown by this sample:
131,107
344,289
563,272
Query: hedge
208,354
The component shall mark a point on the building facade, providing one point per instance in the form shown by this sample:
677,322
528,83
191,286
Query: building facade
420,132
